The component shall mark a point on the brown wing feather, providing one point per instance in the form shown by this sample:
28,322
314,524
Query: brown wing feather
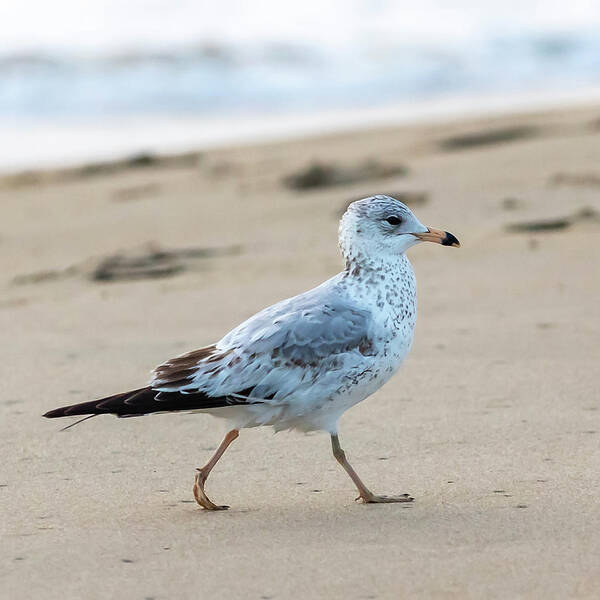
180,370
177,372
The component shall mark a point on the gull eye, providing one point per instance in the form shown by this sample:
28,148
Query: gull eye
394,220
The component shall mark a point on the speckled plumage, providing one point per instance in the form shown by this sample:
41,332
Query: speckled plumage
302,362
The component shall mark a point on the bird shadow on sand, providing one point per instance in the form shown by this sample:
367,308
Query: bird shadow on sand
305,515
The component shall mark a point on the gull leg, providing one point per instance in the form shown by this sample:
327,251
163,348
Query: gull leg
365,495
202,475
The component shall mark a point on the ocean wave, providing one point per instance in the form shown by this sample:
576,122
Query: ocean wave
108,58
218,78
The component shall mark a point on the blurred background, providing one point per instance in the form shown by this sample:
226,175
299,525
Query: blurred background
82,80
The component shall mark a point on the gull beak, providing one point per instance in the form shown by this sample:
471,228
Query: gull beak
445,238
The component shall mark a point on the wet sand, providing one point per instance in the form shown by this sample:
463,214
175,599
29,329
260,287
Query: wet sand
493,424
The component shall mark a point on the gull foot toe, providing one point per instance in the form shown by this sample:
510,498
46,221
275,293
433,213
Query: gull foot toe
373,499
201,498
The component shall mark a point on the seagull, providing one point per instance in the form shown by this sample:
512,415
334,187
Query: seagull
301,363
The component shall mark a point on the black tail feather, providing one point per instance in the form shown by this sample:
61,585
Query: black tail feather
143,401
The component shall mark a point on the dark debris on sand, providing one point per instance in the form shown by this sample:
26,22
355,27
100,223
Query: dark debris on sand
487,137
540,225
149,262
586,214
136,192
511,203
153,262
141,160
323,174
46,275
590,180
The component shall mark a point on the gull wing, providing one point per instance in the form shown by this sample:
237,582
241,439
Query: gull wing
298,344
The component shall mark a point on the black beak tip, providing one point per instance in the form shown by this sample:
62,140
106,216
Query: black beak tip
450,240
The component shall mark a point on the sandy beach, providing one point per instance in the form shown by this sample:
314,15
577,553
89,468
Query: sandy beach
493,424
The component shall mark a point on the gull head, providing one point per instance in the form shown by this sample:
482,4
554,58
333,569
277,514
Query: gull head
381,226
